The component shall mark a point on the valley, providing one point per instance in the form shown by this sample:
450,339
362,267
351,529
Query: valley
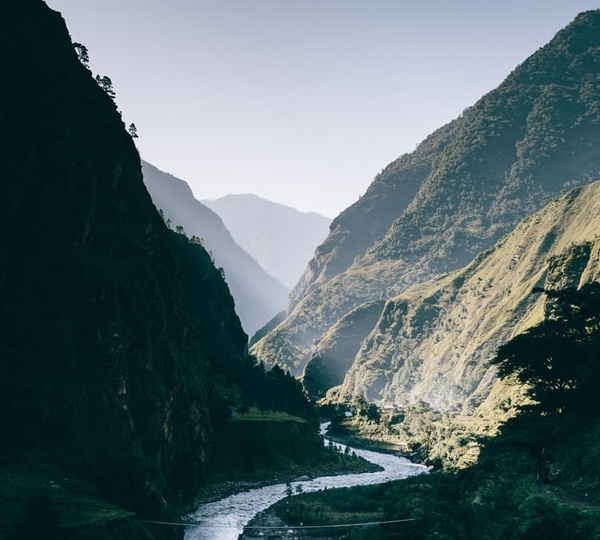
154,373
423,278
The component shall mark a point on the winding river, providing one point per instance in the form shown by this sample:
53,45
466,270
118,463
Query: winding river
225,519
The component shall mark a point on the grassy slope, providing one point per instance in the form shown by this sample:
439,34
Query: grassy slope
434,342
77,506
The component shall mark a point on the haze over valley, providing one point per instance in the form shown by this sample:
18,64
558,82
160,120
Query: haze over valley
280,238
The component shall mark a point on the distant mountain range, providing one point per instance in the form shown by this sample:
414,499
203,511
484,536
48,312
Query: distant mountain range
279,237
376,311
258,296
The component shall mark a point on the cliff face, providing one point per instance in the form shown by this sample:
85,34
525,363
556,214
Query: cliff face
109,320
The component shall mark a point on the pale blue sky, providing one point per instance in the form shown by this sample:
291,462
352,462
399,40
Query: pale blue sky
301,102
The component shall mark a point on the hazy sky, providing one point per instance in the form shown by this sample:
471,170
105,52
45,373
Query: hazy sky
301,102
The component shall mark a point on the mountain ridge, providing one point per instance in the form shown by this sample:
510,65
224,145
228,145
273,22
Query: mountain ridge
449,329
121,354
89,257
258,295
463,188
530,91
281,238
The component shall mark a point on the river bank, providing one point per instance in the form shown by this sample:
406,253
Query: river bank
258,449
216,489
269,525
225,519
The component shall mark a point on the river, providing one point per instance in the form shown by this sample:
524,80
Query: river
225,519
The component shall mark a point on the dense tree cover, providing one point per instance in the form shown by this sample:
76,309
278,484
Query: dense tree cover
417,431
559,359
238,380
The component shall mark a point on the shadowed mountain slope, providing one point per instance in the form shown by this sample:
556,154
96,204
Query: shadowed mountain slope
102,366
121,354
465,186
258,296
279,237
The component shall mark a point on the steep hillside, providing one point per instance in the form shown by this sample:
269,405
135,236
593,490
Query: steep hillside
280,238
464,187
121,355
434,342
102,367
258,296
538,477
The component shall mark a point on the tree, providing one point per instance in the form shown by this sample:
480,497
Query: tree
559,358
132,129
105,83
82,54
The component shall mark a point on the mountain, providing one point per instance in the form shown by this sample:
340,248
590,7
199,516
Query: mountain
258,296
434,343
465,186
103,367
122,359
279,237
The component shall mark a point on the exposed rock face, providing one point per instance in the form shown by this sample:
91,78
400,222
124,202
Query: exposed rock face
432,211
109,320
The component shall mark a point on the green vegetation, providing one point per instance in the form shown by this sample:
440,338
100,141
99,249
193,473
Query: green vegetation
254,414
125,378
121,355
500,500
435,342
443,440
506,495
251,453
434,211
558,358
538,478
39,501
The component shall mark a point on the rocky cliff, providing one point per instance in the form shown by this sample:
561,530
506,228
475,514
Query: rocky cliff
103,365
